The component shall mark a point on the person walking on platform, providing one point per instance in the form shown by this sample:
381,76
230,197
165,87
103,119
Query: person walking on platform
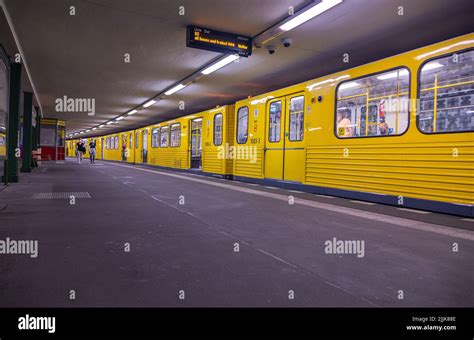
92,151
80,149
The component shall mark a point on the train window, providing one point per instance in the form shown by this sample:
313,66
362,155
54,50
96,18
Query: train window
175,138
107,143
164,136
446,94
136,140
155,137
296,118
242,125
275,122
375,105
116,141
131,141
218,129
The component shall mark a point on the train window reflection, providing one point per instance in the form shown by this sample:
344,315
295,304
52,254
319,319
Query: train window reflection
242,124
447,94
376,105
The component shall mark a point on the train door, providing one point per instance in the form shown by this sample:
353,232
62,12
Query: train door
145,146
275,141
294,157
131,151
284,146
124,147
137,147
196,141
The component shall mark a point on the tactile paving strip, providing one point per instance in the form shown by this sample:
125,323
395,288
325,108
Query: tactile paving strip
59,195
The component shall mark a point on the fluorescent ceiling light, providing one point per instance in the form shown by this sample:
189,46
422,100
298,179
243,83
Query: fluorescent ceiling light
132,112
175,89
88,130
431,65
108,123
220,64
348,85
316,10
394,74
94,129
101,126
120,118
149,103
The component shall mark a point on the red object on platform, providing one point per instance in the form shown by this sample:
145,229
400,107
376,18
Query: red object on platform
48,153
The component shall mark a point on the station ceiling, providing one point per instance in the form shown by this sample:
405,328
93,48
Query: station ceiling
82,55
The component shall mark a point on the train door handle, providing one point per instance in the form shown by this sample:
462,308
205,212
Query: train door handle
287,134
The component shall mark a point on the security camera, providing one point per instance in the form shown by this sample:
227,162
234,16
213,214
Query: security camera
287,42
271,49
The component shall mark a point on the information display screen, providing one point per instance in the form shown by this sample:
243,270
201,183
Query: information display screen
222,42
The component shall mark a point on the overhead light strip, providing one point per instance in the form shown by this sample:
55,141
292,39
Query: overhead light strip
220,64
175,89
309,14
149,103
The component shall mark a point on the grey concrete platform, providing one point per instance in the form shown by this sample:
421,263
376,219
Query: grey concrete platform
190,245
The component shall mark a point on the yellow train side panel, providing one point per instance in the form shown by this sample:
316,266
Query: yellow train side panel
413,164
214,157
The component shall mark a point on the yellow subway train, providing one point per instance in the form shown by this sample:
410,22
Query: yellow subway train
3,143
396,131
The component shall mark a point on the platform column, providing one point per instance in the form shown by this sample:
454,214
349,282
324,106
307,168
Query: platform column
27,132
11,164
34,129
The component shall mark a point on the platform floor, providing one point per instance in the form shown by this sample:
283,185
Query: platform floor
191,247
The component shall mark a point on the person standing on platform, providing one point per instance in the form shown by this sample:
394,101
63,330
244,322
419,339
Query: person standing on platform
92,151
80,149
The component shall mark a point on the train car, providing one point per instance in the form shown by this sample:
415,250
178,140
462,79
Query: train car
111,147
70,148
397,131
168,146
199,142
196,142
3,143
269,140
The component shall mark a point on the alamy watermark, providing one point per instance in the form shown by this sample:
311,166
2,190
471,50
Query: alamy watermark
20,247
66,104
237,152
28,322
351,247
